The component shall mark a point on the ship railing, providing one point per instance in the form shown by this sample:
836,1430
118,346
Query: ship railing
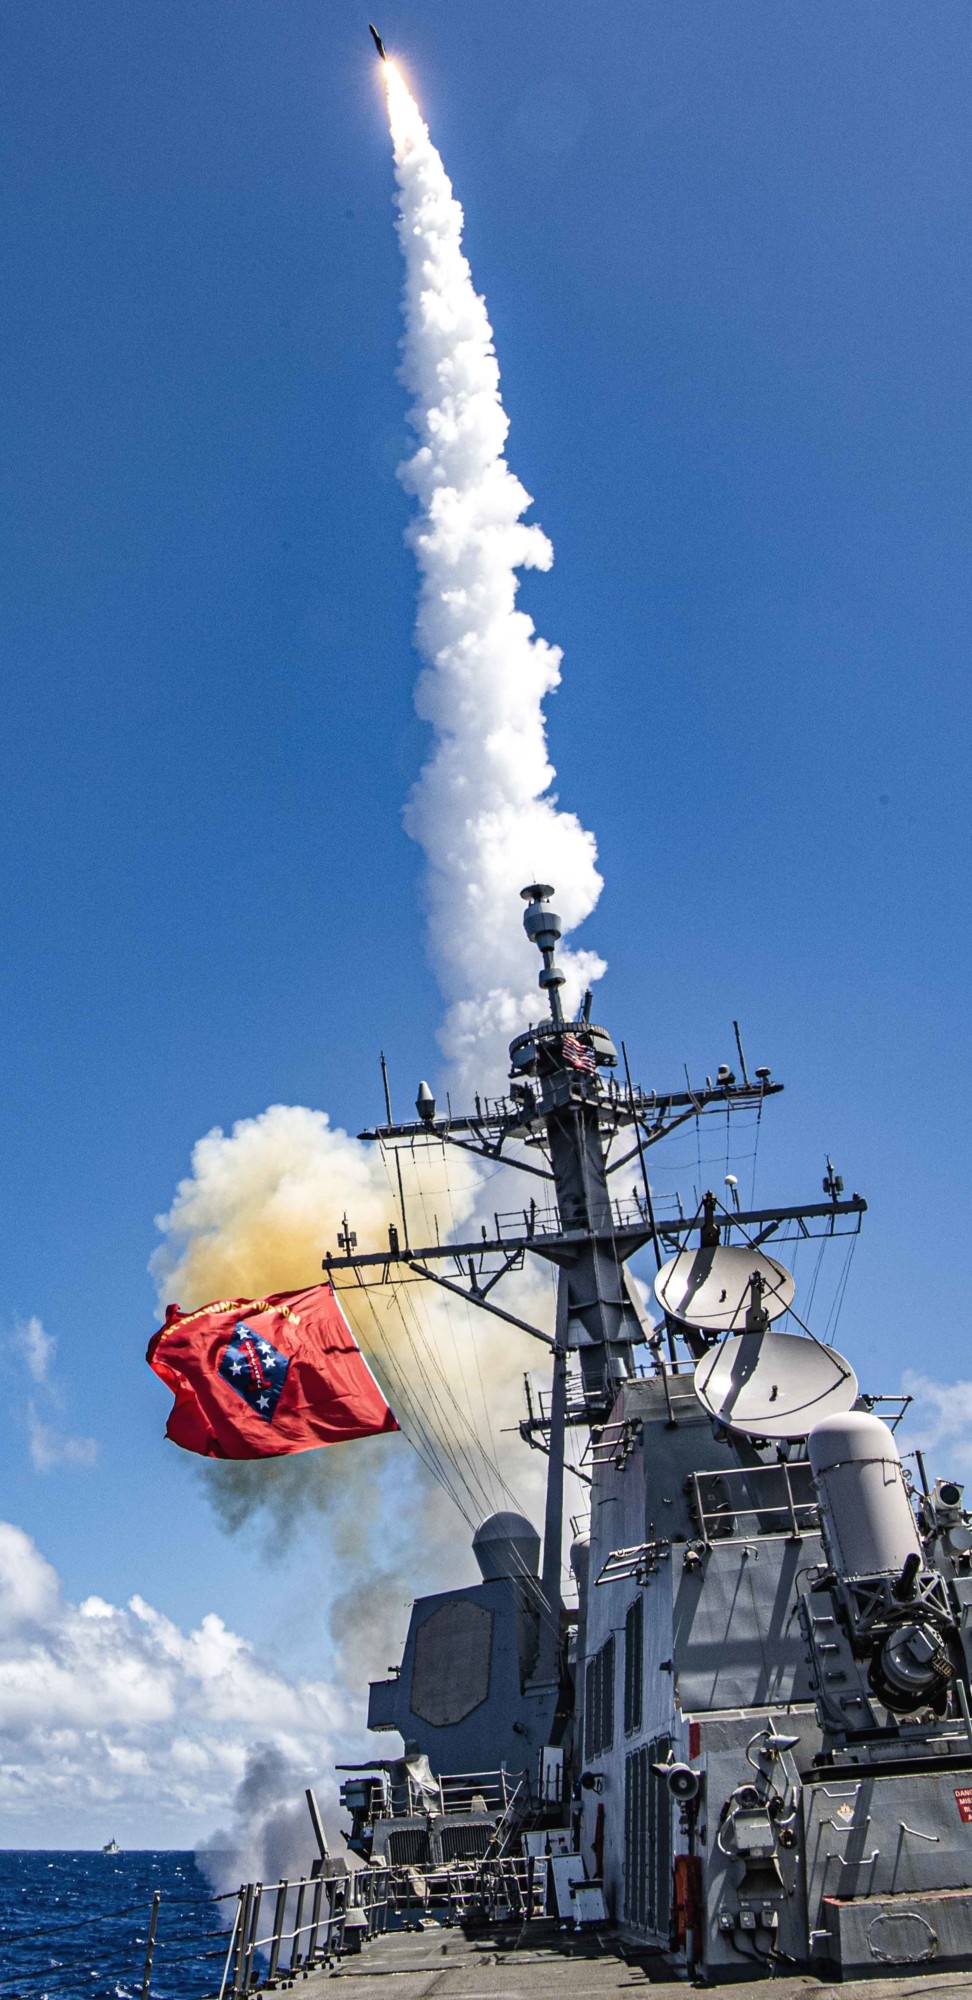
456,1792
512,1888
739,1504
605,1215
282,1928
511,1819
472,1791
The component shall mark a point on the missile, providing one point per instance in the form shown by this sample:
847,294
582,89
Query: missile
376,38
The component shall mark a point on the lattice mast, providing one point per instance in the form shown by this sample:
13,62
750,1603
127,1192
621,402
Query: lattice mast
565,1112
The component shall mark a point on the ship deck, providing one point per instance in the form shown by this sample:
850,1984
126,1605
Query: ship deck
554,1965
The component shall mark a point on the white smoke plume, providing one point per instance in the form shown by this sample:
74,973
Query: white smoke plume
262,1203
482,810
259,1208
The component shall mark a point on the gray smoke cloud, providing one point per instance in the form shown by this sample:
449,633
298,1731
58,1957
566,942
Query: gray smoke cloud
269,1837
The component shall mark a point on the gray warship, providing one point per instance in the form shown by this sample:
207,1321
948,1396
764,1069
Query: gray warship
747,1746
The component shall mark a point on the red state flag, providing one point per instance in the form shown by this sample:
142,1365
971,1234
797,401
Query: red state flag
255,1378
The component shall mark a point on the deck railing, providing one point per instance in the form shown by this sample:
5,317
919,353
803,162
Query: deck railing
282,1928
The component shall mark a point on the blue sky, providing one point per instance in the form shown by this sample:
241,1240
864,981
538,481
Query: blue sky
726,256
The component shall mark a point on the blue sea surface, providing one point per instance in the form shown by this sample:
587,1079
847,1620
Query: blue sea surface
73,1926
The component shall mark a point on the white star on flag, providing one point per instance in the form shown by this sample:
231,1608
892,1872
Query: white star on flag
263,1402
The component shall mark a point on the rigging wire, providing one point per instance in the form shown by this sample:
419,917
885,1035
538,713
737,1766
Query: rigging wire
421,1439
461,1382
445,1425
467,1456
464,1457
481,1463
838,1304
816,1274
487,1412
451,1462
752,1185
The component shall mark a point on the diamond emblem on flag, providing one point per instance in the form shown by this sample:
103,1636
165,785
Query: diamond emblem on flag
255,1369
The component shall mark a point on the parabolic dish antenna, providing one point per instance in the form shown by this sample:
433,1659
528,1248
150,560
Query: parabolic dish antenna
774,1385
712,1288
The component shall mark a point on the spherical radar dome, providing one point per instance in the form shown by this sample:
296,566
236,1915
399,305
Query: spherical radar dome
506,1545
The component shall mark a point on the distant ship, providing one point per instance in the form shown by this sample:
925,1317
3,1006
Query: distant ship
111,1847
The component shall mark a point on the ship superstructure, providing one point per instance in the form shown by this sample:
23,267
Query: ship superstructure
750,1744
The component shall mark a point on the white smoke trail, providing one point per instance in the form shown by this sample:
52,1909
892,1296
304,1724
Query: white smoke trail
481,810
262,1203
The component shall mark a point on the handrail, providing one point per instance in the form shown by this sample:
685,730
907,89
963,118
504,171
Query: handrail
799,1516
331,1898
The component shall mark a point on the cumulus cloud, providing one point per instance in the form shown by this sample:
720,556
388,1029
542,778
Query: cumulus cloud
103,1706
939,1420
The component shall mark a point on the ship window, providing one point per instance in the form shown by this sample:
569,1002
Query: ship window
599,1700
607,1695
647,1839
634,1664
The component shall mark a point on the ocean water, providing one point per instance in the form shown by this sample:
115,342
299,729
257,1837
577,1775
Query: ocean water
73,1926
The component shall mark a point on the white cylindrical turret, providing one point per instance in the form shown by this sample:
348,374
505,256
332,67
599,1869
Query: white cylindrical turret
868,1524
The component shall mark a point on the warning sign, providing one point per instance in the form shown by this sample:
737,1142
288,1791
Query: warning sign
963,1799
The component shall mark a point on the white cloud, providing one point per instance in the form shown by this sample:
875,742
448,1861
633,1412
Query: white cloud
37,1347
31,1347
108,1711
51,1447
940,1420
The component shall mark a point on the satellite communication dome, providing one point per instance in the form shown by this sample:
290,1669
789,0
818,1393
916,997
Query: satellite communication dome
506,1545
580,1559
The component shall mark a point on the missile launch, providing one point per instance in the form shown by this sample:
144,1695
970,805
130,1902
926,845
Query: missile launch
376,38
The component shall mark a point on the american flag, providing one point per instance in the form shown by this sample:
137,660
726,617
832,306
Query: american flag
577,1055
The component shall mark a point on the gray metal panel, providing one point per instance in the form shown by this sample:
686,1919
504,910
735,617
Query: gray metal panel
724,1741
737,1643
383,1703
884,1836
496,1719
886,1933
450,1668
